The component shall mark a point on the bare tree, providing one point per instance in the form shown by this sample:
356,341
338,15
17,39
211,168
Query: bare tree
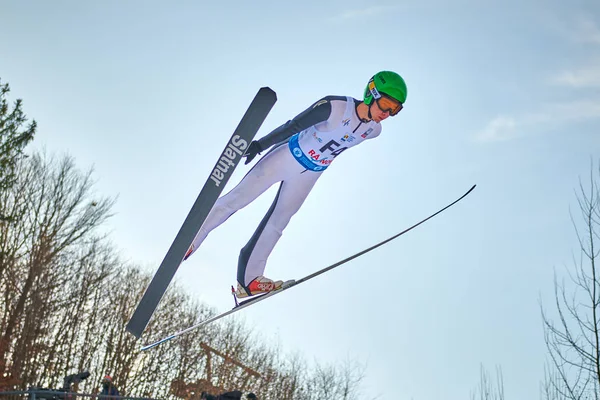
488,388
552,387
60,218
573,340
67,296
333,381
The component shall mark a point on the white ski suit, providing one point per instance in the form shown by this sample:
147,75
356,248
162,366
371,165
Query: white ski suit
303,148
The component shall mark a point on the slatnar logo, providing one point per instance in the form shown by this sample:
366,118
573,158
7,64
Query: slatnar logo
230,155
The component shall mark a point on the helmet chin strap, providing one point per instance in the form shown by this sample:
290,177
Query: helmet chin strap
369,116
370,105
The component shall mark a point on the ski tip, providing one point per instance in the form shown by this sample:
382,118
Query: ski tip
465,195
267,90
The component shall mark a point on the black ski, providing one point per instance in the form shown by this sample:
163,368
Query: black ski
232,154
290,284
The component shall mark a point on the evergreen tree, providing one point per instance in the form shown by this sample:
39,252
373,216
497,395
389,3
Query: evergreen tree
14,136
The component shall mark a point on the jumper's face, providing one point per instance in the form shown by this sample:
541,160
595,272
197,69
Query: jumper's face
377,114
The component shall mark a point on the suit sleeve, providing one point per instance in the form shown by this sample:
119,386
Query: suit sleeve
316,113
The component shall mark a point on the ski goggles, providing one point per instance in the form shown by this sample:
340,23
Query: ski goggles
388,104
385,102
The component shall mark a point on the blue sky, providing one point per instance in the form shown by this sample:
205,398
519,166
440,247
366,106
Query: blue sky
502,95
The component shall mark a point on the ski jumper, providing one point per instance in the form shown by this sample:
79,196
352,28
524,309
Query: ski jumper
303,148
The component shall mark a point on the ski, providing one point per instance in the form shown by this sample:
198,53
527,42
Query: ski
228,160
289,284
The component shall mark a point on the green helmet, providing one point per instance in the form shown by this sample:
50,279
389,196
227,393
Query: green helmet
387,82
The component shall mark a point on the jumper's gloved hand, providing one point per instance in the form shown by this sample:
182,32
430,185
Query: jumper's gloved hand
252,151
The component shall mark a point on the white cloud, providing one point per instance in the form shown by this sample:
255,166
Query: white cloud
498,129
575,111
504,128
588,76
